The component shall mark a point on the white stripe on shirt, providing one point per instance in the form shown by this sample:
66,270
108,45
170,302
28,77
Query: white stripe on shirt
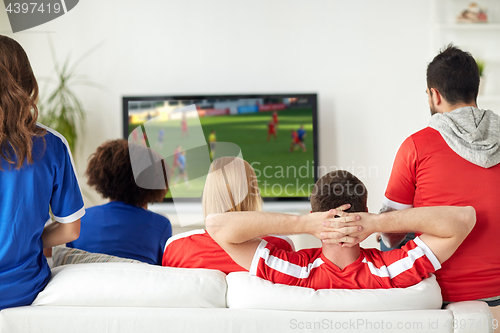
184,235
405,263
79,214
280,265
395,205
428,253
72,218
63,139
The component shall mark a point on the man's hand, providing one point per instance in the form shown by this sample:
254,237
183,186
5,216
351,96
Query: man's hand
349,229
335,225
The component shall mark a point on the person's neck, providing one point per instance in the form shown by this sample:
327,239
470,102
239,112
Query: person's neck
145,206
448,107
341,256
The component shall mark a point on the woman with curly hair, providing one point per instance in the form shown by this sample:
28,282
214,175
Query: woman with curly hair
124,227
36,175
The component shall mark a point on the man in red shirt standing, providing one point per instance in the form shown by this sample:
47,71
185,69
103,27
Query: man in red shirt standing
336,265
455,161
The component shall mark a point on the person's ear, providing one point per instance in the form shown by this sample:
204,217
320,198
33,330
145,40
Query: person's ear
436,96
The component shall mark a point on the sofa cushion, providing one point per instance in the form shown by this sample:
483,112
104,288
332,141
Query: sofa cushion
123,284
250,292
62,255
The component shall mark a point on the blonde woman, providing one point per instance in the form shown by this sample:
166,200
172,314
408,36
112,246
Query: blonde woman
231,186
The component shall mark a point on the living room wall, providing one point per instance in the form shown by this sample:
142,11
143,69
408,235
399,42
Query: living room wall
366,59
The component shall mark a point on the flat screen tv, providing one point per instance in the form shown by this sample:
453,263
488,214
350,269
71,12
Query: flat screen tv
276,133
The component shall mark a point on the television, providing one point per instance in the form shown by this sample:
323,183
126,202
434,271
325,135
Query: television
276,133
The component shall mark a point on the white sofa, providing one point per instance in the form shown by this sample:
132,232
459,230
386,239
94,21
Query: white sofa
125,297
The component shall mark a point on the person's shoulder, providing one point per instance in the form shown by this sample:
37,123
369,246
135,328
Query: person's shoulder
189,236
53,137
424,134
282,242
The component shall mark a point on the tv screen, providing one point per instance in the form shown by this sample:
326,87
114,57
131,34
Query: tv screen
275,133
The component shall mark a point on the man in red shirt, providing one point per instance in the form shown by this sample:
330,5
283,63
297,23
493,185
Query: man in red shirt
336,265
455,161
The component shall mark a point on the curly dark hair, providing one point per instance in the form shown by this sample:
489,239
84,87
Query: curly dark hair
337,188
110,172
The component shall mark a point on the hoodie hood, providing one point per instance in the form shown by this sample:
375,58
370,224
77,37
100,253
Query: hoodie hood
472,133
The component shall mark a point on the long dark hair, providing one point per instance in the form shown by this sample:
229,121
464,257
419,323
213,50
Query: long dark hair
18,110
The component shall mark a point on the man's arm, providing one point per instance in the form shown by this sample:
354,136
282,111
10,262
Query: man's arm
443,228
238,232
391,240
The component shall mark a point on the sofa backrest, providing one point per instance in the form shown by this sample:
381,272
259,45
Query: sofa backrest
142,285
250,292
134,285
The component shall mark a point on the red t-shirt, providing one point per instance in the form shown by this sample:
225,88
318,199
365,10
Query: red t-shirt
271,128
196,249
372,270
275,117
427,172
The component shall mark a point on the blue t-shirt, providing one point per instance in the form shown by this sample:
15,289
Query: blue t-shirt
182,161
123,230
301,132
25,197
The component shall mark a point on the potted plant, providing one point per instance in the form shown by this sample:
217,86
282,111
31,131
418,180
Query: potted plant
61,109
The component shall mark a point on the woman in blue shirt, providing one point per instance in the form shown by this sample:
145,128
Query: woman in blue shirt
124,227
36,173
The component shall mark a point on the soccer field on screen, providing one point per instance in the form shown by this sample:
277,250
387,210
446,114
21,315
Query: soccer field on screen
280,172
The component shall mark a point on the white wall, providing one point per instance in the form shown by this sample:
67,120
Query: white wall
366,59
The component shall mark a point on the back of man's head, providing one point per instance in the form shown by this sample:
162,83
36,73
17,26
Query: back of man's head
337,188
455,74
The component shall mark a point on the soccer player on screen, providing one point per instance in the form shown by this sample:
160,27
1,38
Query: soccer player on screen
212,139
135,136
184,126
177,152
301,132
271,130
161,135
275,118
296,142
181,164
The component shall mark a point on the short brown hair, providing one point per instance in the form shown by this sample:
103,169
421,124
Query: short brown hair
455,74
337,188
110,172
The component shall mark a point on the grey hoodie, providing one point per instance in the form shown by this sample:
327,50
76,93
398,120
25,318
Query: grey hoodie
472,133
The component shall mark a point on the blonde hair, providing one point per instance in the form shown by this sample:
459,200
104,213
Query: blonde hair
231,186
